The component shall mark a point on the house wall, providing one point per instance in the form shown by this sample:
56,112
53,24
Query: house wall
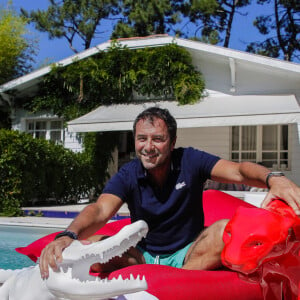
294,174
214,140
72,141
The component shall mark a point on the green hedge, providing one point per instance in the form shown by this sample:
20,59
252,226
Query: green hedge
38,169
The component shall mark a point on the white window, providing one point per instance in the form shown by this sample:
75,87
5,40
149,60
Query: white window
46,129
264,144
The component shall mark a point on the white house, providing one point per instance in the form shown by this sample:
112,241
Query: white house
251,111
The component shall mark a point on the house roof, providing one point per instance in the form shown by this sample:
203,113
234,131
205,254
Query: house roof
212,111
27,83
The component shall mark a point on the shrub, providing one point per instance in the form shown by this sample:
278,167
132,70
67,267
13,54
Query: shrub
38,169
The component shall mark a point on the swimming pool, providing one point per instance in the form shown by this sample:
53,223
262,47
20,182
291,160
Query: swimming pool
12,237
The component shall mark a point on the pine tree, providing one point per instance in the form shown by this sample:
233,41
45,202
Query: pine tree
73,19
281,28
147,17
214,18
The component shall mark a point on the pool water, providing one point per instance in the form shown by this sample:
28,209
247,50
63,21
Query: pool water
12,237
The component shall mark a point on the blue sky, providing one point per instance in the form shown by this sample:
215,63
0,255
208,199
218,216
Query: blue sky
54,50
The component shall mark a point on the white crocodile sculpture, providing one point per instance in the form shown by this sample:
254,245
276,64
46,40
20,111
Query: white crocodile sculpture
72,280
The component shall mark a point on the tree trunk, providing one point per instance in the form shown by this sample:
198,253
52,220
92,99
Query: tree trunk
229,25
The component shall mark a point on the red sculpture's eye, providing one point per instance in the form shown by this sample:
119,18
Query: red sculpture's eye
226,236
255,243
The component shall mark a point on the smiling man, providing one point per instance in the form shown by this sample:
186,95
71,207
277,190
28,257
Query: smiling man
153,144
163,186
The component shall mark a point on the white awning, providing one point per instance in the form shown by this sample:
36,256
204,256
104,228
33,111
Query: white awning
211,111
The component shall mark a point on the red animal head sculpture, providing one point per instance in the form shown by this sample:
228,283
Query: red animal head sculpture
264,245
256,235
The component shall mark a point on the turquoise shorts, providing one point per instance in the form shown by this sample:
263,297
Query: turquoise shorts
174,260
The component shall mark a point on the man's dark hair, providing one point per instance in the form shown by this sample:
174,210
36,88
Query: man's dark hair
155,112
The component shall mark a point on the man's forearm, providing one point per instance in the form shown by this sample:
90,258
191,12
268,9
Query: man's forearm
87,222
254,174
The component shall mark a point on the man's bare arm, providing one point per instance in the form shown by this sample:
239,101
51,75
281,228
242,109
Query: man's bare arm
255,175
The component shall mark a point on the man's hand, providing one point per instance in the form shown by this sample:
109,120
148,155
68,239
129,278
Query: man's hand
52,254
285,189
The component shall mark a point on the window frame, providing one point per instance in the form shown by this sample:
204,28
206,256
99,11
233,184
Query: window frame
259,149
47,129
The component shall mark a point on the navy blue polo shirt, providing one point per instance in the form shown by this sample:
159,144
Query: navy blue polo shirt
174,213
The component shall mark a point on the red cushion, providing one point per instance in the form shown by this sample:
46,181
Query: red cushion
172,283
218,205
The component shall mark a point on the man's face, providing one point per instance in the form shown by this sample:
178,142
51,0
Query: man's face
152,143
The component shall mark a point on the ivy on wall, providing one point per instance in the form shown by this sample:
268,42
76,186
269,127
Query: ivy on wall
113,76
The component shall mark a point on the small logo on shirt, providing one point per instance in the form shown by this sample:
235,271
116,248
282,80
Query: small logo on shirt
180,185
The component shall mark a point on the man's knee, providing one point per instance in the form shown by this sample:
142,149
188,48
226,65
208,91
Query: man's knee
205,252
218,227
214,233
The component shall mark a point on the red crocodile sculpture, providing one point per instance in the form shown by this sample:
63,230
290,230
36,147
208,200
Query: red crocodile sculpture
264,246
